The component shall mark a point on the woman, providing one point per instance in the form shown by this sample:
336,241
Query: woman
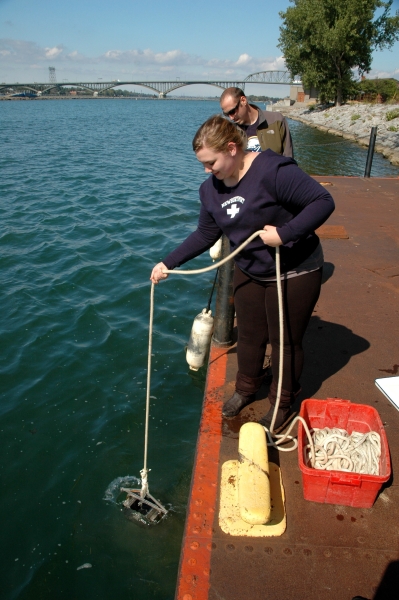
246,192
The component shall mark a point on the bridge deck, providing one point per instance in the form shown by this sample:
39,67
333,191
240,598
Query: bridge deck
161,87
328,551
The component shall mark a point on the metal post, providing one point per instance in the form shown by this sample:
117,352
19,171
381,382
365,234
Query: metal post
224,314
373,135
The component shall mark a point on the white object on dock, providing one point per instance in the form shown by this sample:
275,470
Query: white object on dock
389,386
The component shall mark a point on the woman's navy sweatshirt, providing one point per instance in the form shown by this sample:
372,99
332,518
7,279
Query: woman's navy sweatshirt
274,191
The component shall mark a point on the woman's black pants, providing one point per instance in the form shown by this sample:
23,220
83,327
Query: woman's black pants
256,306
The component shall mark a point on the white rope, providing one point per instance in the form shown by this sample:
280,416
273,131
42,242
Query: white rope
334,449
221,262
280,438
281,330
144,471
144,483
276,440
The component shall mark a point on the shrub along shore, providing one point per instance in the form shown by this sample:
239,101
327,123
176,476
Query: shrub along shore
354,122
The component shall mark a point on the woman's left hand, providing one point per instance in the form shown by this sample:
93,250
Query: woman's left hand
271,237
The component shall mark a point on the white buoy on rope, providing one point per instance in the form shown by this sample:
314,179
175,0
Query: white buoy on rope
216,250
200,339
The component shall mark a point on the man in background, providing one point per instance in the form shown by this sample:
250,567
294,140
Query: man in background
264,129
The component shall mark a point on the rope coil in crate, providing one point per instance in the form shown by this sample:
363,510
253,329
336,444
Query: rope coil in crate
335,449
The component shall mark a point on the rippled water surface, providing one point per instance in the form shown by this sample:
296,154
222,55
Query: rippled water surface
92,195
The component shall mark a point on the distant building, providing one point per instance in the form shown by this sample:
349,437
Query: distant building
298,95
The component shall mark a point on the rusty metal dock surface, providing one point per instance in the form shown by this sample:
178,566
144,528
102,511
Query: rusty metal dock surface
327,551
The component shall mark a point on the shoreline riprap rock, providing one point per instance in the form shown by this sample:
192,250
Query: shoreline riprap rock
354,122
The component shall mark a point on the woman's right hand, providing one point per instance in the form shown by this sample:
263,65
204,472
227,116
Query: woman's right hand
270,237
158,273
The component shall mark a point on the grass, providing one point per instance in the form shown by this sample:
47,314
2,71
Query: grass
355,117
392,114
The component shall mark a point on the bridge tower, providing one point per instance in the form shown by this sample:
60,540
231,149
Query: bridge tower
51,75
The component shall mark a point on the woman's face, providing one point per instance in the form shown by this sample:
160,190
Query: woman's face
221,164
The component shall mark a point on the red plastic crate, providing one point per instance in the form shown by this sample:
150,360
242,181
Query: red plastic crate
339,487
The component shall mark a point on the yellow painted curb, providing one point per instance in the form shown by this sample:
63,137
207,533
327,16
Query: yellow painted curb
229,513
253,475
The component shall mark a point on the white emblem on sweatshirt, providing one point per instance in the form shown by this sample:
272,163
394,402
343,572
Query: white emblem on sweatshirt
233,211
233,203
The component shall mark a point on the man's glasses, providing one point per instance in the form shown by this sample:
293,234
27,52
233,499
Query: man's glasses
231,112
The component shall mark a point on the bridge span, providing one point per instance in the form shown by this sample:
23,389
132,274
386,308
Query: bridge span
162,88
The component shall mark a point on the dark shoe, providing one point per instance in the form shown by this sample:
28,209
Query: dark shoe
232,407
282,417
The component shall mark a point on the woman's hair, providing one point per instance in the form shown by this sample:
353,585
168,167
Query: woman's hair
216,133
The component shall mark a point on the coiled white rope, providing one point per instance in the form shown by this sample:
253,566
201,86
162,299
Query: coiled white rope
336,450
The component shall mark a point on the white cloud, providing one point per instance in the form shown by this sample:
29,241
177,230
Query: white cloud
148,57
112,54
53,52
24,52
243,59
76,56
374,73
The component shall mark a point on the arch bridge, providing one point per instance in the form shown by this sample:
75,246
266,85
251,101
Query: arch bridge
162,88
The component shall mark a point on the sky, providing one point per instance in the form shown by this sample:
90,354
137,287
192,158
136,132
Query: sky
132,40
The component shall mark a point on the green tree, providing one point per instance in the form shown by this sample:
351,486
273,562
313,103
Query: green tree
386,88
324,40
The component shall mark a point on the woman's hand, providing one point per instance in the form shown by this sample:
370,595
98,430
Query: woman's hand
271,237
158,273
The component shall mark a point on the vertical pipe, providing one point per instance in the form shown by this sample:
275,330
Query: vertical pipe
373,135
224,314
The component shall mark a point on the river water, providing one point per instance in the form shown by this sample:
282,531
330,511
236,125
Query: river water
93,193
